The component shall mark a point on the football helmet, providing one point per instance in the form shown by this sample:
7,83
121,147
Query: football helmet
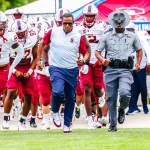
51,22
39,20
58,16
17,14
90,15
31,21
20,27
3,23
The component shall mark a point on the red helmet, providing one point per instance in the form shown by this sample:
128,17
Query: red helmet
90,14
3,23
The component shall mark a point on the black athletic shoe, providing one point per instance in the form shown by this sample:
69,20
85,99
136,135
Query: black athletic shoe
112,129
121,116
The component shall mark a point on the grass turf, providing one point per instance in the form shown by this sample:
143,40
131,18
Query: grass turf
99,139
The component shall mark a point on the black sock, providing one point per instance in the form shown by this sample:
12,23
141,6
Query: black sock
22,120
7,118
32,119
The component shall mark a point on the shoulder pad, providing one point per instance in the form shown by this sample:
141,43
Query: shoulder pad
128,29
111,29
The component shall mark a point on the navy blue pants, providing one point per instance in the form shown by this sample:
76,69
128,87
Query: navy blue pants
139,86
64,83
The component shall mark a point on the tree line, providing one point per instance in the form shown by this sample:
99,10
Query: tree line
8,4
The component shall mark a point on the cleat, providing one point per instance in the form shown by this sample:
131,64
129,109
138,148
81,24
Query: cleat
56,119
104,121
6,124
91,124
67,129
46,126
22,126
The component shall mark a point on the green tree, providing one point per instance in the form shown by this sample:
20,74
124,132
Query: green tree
7,4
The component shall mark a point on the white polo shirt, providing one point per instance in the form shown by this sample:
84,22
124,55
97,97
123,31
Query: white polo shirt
64,48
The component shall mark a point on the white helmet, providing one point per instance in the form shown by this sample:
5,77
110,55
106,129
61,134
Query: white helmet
38,18
31,21
51,22
59,14
3,22
90,10
3,17
20,27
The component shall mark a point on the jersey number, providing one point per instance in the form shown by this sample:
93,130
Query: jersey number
27,52
92,39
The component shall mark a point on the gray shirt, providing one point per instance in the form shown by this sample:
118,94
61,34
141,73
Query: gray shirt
119,47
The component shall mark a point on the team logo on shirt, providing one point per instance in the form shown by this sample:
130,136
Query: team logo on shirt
15,38
84,31
72,40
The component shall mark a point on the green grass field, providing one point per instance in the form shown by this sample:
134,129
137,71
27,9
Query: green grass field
99,139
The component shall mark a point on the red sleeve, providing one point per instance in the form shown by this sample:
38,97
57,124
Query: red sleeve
47,37
82,46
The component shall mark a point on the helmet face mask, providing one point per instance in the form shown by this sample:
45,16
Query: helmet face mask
22,35
89,20
18,15
2,31
2,28
3,23
90,14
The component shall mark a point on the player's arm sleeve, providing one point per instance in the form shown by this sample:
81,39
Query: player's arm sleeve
20,53
47,37
82,46
136,43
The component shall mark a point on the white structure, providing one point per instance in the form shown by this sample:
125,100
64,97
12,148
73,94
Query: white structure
49,6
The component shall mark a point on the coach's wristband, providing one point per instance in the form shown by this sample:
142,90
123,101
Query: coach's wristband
85,63
14,70
46,64
30,71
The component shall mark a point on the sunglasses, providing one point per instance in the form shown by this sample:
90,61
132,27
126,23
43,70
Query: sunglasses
69,23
